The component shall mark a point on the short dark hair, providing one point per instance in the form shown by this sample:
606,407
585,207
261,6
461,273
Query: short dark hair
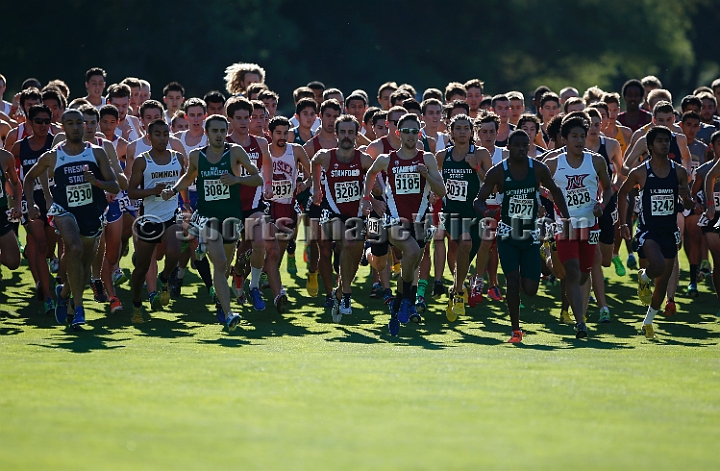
31,93
398,96
474,83
347,118
119,90
303,92
488,118
663,107
455,88
356,96
715,136
268,95
549,96
515,134
500,97
379,116
53,94
332,103
387,86
214,96
238,103
573,100
156,122
278,121
690,115
90,110
540,91
632,83
95,71
460,104
553,127
412,104
332,91
194,102
529,118
173,87
690,100
655,132
460,117
151,104
316,85
306,103
430,101
611,97
37,109
408,117
432,93
369,113
255,87
109,110
600,105
573,122
215,117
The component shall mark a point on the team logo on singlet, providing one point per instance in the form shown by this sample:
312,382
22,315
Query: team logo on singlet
576,181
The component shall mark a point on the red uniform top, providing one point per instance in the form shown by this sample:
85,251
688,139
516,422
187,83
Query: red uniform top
406,190
250,196
644,119
344,184
387,147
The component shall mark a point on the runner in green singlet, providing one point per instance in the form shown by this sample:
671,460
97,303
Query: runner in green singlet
217,169
519,178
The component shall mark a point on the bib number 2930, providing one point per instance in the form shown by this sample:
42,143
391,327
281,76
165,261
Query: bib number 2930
79,195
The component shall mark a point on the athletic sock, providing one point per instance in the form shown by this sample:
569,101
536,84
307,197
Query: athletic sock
291,247
163,280
413,293
644,276
181,273
396,302
693,274
422,285
650,315
255,274
407,290
203,268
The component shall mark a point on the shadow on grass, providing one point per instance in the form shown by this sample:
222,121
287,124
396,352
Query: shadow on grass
86,340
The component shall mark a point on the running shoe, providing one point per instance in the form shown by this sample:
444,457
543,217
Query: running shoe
376,291
291,265
329,300
155,302
211,292
232,322
565,317
449,313
264,281
415,315
119,277
604,315
61,307
242,298
670,308
692,290
115,305
175,286
164,294
458,306
78,318
494,293
395,270
137,317
394,325
516,336
403,314
475,297
49,306
256,299
280,302
439,288
346,305
200,251
631,262
420,305
581,330
312,286
388,297
98,290
306,254
645,291
649,332
54,265
619,267
335,311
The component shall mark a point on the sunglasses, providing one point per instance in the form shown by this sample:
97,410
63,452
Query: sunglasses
410,131
41,120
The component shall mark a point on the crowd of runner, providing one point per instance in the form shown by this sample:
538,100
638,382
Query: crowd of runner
406,182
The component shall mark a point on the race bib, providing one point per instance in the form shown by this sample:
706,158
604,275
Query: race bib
456,190
282,189
347,192
520,208
215,190
677,238
123,202
716,197
407,183
79,195
373,226
662,205
494,199
198,221
503,230
614,216
23,206
594,237
577,198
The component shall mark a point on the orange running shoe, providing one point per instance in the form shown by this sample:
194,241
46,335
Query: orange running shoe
516,336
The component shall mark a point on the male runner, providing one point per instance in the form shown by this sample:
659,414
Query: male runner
78,206
173,97
519,178
579,175
517,108
549,107
707,177
410,175
344,174
128,126
500,105
95,84
217,169
611,127
153,174
530,123
9,250
384,92
657,237
240,75
270,100
215,102
474,95
634,117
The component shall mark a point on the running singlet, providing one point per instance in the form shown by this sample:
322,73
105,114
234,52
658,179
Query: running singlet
521,199
250,196
657,201
156,174
29,157
580,188
387,147
462,185
343,185
495,199
284,176
215,199
602,150
406,190
71,192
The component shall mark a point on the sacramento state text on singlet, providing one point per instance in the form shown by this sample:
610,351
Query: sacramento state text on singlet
215,199
462,185
344,184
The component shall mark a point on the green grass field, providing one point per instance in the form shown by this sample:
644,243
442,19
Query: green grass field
298,392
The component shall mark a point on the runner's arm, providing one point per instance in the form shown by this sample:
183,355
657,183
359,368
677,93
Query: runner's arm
12,181
136,180
254,178
709,186
109,182
190,174
437,185
632,157
319,162
115,163
41,166
546,180
684,189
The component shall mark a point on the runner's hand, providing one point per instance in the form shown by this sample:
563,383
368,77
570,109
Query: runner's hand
625,232
267,192
159,189
89,176
15,214
167,193
365,207
110,197
228,180
598,210
317,197
422,169
33,212
710,212
433,198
